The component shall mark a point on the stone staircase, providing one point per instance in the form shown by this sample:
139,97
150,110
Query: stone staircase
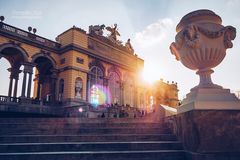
86,139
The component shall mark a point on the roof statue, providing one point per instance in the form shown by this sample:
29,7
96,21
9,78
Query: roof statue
113,33
128,45
96,29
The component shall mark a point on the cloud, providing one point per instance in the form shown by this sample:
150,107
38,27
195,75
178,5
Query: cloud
152,44
154,33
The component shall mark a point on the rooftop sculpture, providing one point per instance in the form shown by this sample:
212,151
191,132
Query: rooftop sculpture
98,31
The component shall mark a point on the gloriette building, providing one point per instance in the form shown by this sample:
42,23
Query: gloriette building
77,68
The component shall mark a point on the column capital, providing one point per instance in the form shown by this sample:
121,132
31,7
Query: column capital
28,67
14,72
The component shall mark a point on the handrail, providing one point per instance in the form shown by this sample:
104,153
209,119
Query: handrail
9,99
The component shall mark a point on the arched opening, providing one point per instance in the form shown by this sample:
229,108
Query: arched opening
45,79
12,57
78,88
114,87
96,90
5,74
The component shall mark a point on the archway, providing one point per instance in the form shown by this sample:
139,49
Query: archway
16,56
5,74
97,95
45,78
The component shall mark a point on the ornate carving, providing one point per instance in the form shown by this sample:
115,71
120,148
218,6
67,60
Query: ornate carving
191,36
128,45
211,34
113,34
96,29
197,52
229,35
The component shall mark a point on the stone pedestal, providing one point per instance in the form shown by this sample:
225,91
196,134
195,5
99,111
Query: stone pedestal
209,99
208,121
208,134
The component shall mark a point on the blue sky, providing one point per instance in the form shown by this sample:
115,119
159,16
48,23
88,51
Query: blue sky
149,23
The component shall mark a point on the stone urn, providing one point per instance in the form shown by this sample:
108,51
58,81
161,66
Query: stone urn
201,43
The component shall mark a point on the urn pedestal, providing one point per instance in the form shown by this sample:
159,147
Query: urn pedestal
200,44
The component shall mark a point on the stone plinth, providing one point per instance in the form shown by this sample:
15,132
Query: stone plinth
210,99
208,133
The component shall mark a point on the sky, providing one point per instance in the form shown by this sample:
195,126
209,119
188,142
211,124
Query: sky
150,24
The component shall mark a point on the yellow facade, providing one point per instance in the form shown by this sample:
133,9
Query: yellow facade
79,66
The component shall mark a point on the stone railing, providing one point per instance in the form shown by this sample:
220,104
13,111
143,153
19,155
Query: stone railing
5,99
8,29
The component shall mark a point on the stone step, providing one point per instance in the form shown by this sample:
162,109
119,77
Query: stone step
98,155
86,138
75,120
58,131
89,146
79,125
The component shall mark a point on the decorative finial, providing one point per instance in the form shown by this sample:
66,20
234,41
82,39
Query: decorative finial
34,30
29,29
2,18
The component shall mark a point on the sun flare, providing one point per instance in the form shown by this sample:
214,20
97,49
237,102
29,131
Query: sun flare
149,74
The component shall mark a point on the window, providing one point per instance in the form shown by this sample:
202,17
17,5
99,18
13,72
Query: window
97,93
80,60
62,61
114,87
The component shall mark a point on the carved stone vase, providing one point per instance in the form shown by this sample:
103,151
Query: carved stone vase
201,43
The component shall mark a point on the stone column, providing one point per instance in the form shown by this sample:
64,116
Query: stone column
15,88
24,83
16,83
53,84
14,74
29,85
28,70
10,86
39,79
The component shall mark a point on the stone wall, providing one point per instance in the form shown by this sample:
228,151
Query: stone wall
208,131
